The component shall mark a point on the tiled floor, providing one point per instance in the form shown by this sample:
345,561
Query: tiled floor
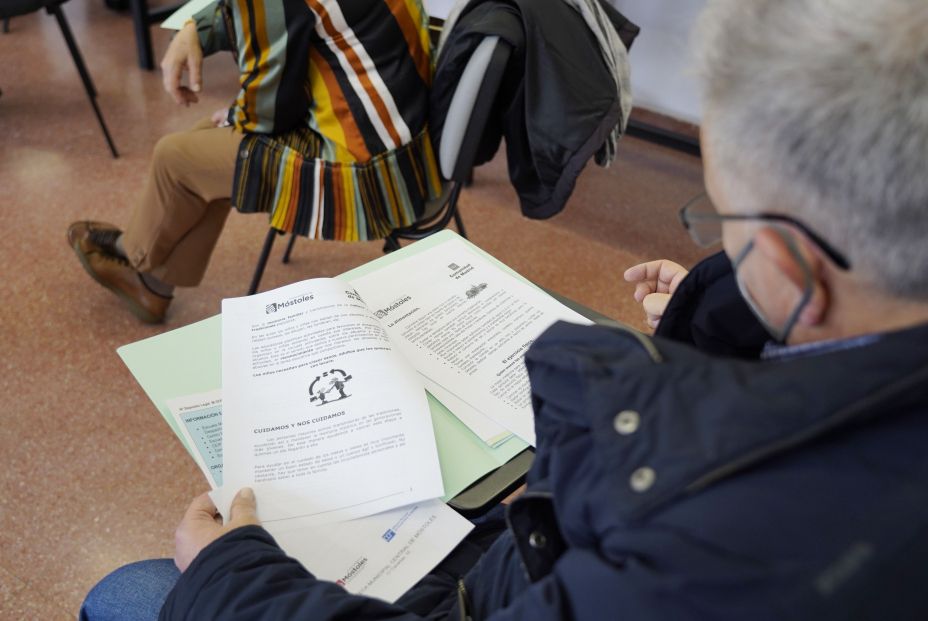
91,477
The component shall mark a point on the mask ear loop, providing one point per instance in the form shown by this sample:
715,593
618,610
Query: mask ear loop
779,334
807,284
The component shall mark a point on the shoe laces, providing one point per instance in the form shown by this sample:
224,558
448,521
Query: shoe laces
106,239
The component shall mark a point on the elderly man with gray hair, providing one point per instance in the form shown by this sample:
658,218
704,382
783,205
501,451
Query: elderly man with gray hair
776,470
815,139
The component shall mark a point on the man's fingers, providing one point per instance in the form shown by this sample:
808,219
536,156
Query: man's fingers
172,74
244,508
656,303
645,271
661,276
201,507
635,273
665,273
188,96
677,277
194,66
189,47
642,290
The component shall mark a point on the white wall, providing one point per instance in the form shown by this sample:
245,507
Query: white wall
438,8
661,75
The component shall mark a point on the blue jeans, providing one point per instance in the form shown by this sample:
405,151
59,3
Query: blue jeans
134,592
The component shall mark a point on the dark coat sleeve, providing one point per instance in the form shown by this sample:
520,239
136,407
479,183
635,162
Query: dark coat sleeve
245,575
708,311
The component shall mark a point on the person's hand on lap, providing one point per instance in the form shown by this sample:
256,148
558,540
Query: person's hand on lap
184,54
655,282
202,524
220,117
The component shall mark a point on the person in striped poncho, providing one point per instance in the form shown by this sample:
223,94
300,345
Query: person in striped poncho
327,134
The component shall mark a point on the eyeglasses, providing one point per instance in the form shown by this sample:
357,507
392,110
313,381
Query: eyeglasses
704,224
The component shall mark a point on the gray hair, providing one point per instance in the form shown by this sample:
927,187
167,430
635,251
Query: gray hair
819,109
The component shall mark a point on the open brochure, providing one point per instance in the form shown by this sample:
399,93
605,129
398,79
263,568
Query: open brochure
325,412
383,554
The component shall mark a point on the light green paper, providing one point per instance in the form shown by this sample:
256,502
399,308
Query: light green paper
432,240
188,360
181,362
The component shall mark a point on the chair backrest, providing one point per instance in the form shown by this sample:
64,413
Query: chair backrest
462,133
470,108
464,124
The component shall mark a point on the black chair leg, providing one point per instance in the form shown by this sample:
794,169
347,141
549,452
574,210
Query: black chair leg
453,206
262,260
290,243
390,243
6,24
82,70
459,223
140,22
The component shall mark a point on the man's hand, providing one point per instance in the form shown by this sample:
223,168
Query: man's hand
518,492
220,117
655,282
184,54
201,525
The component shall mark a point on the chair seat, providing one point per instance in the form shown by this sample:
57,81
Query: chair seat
15,8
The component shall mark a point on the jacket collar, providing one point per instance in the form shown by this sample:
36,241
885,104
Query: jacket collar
778,351
701,418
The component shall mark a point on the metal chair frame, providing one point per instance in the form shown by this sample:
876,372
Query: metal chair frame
54,8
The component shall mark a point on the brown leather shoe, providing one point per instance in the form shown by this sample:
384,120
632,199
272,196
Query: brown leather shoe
95,246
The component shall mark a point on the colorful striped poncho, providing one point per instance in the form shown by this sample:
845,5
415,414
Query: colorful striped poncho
333,106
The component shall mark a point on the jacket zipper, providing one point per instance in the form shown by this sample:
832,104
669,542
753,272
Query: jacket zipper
463,602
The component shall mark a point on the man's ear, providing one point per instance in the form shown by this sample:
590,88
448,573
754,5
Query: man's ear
780,247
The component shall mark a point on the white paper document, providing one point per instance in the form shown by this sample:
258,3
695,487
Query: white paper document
177,19
321,416
379,556
465,324
484,427
199,418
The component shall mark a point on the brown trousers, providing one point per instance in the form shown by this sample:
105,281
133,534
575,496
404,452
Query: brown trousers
175,227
